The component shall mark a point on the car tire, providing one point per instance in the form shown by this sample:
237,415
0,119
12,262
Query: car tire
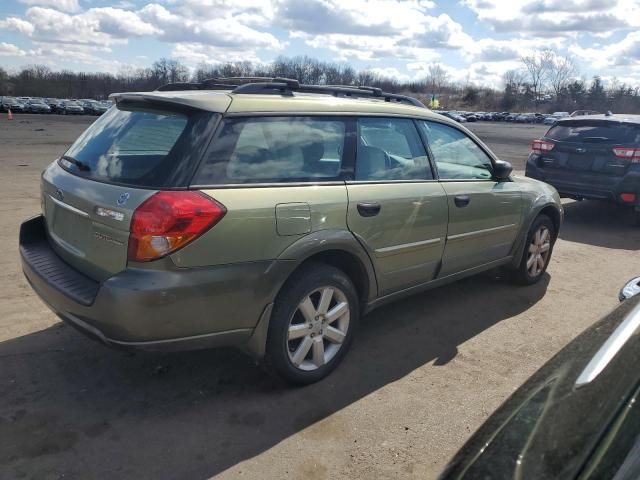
537,252
305,340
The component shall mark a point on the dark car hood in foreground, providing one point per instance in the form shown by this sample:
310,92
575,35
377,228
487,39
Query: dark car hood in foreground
550,427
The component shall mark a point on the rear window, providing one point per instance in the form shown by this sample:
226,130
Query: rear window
141,147
595,132
275,149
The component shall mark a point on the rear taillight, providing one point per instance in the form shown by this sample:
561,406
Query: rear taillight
167,221
628,197
628,153
542,146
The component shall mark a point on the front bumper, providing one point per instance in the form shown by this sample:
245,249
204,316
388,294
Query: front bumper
147,308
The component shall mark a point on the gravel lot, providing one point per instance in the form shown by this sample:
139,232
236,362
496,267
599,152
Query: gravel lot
423,374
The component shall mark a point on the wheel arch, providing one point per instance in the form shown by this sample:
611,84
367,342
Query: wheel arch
337,248
551,210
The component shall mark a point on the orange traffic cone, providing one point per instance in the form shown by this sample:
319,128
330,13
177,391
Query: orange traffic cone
9,115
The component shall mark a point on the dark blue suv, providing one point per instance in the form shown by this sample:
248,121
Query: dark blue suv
592,157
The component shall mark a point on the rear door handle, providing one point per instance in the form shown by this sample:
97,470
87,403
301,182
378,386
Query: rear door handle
461,200
369,209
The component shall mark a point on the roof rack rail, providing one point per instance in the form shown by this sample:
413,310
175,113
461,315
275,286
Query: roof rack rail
287,86
195,86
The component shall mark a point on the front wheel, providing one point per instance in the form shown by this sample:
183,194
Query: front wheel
312,324
537,251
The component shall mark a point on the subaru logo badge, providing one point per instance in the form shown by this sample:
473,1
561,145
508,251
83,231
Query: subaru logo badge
122,199
581,150
59,194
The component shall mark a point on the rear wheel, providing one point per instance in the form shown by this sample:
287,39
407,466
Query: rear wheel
312,324
537,251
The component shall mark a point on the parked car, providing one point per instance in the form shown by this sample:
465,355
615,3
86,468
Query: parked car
526,118
471,117
5,103
539,117
10,103
71,108
54,104
89,106
455,116
577,417
511,117
555,117
279,234
595,157
101,107
38,106
582,113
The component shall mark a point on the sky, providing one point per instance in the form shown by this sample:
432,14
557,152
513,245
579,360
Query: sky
473,40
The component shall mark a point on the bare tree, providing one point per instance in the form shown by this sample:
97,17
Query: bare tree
560,71
536,66
437,78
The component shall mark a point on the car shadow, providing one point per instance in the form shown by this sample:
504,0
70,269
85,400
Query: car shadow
600,224
71,407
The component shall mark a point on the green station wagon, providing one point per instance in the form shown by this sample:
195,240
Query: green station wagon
269,215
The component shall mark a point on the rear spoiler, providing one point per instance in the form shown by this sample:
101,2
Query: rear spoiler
217,104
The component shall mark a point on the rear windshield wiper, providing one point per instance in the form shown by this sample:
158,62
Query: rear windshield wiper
83,167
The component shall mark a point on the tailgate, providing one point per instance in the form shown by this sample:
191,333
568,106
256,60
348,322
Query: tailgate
88,222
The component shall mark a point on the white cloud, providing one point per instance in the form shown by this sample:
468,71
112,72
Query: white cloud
220,32
10,50
353,17
15,24
97,26
619,54
62,5
390,72
195,53
555,18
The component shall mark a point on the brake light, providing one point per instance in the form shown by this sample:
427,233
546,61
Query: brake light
628,153
628,197
542,146
167,221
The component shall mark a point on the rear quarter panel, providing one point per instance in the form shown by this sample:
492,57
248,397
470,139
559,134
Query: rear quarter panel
250,231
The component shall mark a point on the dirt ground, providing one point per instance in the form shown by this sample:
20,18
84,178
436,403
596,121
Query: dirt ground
422,376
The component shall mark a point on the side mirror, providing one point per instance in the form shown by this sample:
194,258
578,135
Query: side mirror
631,289
502,170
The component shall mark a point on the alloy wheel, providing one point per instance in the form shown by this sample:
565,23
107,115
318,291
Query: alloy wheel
317,328
539,250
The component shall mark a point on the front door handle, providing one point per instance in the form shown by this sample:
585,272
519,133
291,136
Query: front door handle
461,200
369,209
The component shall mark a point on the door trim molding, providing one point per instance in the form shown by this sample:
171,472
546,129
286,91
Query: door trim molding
406,247
479,233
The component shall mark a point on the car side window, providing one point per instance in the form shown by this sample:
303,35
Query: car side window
390,149
275,149
457,157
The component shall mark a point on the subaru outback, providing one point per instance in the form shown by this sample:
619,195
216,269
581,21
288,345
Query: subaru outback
270,215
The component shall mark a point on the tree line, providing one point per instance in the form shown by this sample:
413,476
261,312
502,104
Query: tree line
546,81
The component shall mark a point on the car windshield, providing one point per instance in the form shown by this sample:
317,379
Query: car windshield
594,131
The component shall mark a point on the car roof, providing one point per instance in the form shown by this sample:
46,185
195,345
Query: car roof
226,102
616,118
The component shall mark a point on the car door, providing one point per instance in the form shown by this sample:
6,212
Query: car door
396,209
484,214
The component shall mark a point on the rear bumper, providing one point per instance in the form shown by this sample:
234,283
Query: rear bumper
148,309
585,185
